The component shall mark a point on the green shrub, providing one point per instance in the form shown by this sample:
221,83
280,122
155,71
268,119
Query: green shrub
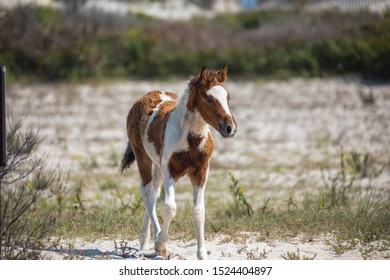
51,44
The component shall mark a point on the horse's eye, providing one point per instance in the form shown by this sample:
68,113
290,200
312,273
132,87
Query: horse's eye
209,99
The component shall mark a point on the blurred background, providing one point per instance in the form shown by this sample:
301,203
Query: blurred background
310,91
79,39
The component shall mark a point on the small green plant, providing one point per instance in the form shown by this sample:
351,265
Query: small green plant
341,246
123,250
241,203
126,205
77,201
90,163
352,166
336,186
370,206
108,184
362,165
114,158
254,254
296,256
291,204
265,208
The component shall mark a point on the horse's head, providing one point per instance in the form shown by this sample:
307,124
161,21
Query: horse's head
211,100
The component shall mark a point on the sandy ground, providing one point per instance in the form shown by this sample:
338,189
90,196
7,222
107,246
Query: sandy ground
220,248
286,129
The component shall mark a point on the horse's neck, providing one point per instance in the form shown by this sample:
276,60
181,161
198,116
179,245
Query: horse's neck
191,122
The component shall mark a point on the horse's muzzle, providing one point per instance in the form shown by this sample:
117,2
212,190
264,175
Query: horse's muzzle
226,129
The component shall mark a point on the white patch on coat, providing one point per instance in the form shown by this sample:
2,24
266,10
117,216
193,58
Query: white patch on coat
219,93
175,138
204,140
164,97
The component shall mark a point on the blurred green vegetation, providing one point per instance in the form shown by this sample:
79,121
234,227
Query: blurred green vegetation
49,44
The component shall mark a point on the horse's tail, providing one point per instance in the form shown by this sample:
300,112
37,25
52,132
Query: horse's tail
128,158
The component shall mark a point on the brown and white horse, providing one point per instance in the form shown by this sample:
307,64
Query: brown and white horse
169,137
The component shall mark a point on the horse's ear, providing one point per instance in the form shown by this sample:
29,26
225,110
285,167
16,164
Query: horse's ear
222,74
204,76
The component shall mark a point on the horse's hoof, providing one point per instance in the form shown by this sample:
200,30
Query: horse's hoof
144,247
148,255
202,255
159,248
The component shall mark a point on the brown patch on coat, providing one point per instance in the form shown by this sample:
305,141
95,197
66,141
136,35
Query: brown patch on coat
194,140
139,113
192,162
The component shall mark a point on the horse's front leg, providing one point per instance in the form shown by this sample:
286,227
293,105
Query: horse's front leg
198,213
168,211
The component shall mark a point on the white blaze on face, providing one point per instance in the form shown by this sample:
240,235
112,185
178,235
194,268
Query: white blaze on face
219,93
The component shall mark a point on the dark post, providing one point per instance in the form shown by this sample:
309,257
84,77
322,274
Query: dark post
3,135
3,146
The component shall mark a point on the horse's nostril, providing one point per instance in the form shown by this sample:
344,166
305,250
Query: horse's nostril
228,129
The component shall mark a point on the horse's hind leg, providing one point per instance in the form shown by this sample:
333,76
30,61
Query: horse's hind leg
144,235
149,196
145,230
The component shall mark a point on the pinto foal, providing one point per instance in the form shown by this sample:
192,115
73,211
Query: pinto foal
169,137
